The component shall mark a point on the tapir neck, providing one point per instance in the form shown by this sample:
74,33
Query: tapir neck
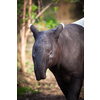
59,53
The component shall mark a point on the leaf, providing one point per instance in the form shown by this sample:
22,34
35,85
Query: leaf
34,7
33,16
27,7
65,0
36,84
55,9
21,21
72,1
27,14
26,19
57,1
41,18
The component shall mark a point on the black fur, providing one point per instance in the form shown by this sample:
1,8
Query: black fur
63,55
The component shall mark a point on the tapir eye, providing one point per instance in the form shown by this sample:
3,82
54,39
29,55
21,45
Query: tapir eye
50,52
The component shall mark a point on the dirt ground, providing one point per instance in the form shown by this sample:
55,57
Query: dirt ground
47,89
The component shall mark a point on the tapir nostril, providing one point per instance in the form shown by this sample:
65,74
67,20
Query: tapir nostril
39,74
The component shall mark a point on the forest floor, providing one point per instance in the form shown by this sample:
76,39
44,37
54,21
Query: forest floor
46,89
28,88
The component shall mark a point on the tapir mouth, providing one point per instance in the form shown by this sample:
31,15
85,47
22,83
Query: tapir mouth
40,76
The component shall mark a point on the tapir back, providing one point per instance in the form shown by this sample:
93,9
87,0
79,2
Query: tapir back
71,42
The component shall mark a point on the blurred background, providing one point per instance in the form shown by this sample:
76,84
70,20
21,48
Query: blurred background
44,15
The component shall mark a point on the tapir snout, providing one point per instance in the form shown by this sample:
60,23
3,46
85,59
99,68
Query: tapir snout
40,76
40,72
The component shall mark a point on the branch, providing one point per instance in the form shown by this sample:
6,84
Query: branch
29,20
38,14
42,11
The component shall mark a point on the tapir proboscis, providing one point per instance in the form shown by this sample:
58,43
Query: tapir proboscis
62,51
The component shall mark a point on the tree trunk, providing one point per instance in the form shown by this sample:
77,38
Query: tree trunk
24,34
23,44
29,20
40,5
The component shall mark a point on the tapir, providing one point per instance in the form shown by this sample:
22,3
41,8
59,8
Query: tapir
62,51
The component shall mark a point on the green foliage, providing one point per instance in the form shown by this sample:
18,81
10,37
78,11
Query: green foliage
30,67
30,70
50,22
65,0
19,6
21,1
40,90
28,63
41,18
34,7
20,11
25,90
72,1
18,68
36,84
33,13
27,7
27,15
21,21
17,63
20,82
35,91
55,9
57,1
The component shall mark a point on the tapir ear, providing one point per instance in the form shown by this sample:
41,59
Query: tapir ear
34,30
58,30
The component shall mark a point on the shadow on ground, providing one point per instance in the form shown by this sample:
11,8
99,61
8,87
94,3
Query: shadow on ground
41,96
47,89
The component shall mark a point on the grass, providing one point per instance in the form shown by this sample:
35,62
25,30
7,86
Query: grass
20,82
46,86
30,70
36,84
25,90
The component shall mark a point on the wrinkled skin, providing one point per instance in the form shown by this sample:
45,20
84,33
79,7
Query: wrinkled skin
62,51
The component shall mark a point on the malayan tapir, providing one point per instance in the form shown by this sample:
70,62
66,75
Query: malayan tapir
62,51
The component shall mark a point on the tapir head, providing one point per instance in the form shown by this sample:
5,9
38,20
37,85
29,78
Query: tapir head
45,50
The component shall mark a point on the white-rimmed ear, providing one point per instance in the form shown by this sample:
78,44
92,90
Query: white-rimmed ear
62,24
34,30
30,25
58,30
